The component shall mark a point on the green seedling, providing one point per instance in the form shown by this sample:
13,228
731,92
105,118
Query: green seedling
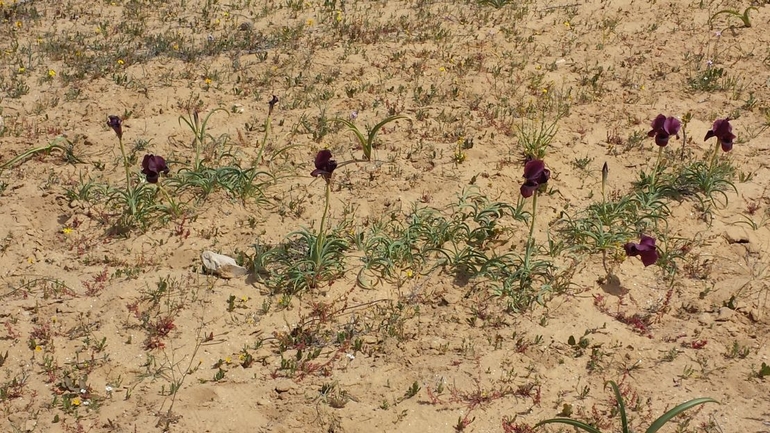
137,202
744,17
367,141
707,182
198,129
751,222
764,371
497,4
653,428
535,139
709,80
60,144
84,190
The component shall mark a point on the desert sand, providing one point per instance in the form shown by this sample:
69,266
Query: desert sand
110,323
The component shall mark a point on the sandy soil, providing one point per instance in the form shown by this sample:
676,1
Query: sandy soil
121,331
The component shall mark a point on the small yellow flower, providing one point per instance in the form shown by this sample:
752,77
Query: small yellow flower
22,69
310,22
339,16
207,81
175,47
53,319
244,299
242,357
442,69
121,62
19,24
459,156
545,90
75,401
51,73
97,29
228,360
66,230
409,273
38,349
643,87
567,25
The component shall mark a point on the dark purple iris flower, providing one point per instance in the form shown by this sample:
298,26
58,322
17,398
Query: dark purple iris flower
153,166
645,249
663,128
535,174
116,124
324,165
723,131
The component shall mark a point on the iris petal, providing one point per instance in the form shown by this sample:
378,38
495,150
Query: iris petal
645,249
529,188
153,166
533,169
723,131
324,165
535,174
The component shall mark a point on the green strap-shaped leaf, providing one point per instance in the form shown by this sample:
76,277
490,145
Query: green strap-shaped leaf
666,417
569,421
368,142
621,405
384,122
357,132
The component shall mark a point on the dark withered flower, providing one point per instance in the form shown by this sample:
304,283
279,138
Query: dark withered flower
116,124
663,128
153,166
645,249
272,102
723,131
324,165
535,174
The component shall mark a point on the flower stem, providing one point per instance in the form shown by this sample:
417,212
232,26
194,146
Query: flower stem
657,167
604,196
172,204
604,262
684,140
530,239
197,130
129,187
714,158
321,238
258,160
